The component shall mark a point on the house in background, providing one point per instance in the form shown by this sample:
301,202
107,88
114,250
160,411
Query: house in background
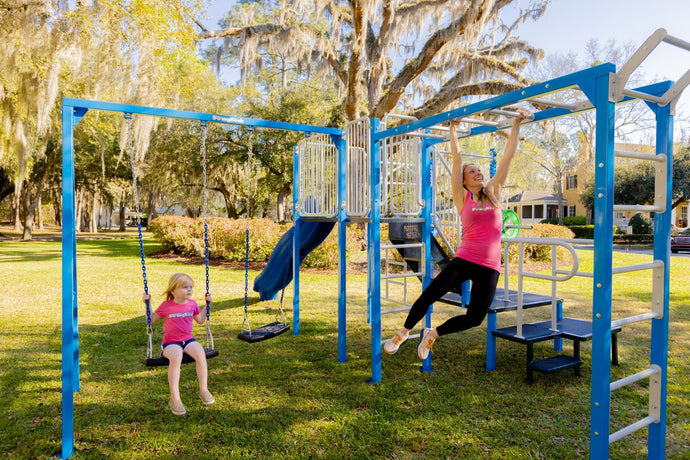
533,207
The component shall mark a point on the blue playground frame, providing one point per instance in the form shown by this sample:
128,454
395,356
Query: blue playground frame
73,110
598,85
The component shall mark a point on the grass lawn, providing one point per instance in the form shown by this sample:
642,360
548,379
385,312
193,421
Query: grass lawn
289,397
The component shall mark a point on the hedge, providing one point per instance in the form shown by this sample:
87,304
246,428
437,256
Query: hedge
541,252
226,237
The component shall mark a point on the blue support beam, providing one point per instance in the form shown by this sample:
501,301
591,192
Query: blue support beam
295,241
427,197
374,255
69,287
207,117
603,254
656,442
342,248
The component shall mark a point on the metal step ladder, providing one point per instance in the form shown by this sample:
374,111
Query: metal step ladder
656,371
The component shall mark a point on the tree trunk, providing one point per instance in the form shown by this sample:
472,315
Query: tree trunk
78,209
57,203
152,206
110,215
39,211
95,216
559,181
123,225
230,209
28,212
17,206
281,204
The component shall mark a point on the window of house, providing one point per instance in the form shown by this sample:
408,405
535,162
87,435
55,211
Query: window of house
570,211
684,212
539,212
527,212
571,181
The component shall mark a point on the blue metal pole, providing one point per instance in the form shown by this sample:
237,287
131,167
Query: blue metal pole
295,240
427,197
656,443
342,249
68,282
603,255
374,254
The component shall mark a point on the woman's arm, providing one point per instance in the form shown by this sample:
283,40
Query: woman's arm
494,185
456,175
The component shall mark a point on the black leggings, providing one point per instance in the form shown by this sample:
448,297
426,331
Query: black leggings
484,281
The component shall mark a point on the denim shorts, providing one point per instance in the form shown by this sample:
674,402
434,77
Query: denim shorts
181,344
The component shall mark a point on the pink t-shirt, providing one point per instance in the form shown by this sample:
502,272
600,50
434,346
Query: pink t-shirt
481,234
178,320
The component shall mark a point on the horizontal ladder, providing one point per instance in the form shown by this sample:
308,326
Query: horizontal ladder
657,268
660,178
654,412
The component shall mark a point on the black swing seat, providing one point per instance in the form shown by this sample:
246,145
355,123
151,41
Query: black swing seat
264,332
186,359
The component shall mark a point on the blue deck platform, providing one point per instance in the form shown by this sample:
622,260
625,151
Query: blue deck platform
500,305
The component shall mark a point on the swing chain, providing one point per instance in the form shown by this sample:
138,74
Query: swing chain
204,135
129,145
250,154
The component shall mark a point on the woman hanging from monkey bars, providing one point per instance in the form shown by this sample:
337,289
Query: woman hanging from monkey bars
479,256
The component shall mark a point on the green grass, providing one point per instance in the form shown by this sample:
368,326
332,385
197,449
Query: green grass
289,397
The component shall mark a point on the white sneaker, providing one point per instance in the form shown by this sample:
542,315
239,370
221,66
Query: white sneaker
426,343
391,346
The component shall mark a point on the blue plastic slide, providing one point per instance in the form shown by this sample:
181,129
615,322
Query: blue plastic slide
278,272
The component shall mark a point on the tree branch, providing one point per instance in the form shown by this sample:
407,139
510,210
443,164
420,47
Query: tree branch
416,66
450,93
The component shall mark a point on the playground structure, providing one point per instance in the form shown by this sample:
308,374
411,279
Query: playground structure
378,174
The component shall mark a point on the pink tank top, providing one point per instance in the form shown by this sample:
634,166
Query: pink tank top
481,234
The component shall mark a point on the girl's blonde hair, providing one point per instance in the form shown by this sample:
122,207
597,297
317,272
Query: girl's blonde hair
483,196
177,280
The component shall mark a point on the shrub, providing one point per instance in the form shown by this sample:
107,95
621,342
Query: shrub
633,239
567,221
641,224
176,234
574,220
541,252
583,231
227,240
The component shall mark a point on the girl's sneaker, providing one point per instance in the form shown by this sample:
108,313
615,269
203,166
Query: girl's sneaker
177,408
206,397
391,346
426,343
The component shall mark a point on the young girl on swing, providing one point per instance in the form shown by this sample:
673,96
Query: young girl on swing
178,312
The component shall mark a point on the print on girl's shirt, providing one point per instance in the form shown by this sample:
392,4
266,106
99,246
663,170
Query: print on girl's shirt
181,315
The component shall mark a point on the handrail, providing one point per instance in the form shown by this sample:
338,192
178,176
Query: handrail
553,277
546,241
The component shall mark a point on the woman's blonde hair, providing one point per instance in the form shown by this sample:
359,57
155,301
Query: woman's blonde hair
483,196
177,280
